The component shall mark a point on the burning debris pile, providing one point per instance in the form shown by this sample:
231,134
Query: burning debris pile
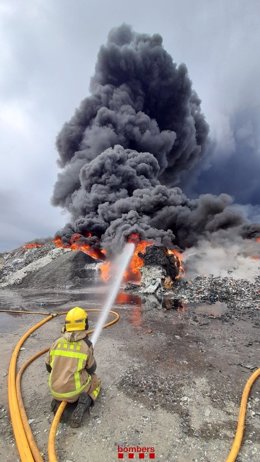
54,265
161,267
147,256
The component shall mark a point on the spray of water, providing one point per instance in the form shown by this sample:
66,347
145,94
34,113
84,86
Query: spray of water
121,265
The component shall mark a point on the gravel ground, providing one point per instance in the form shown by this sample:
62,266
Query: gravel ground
173,371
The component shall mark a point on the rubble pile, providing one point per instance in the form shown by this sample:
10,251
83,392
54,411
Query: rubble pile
17,259
160,269
46,267
240,295
210,297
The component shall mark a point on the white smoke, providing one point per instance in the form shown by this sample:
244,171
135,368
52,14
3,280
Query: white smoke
240,260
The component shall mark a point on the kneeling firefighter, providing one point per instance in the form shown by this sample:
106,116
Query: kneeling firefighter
71,365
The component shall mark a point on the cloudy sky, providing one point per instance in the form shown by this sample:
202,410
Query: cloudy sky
48,51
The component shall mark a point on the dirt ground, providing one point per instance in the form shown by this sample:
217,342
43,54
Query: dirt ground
172,380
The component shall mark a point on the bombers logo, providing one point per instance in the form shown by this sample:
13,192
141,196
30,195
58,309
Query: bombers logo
135,452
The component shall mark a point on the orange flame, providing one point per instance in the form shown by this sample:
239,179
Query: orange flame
33,245
58,242
74,244
132,274
179,257
105,271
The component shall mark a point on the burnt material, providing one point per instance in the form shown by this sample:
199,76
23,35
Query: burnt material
158,255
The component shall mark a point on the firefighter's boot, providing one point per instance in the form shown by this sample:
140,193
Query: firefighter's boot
54,405
83,405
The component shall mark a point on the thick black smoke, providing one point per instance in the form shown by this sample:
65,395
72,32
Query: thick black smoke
130,144
242,153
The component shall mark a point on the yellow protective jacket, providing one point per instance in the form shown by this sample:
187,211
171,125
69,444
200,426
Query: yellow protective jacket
70,362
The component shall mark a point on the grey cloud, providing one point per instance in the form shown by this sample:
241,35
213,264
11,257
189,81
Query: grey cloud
236,170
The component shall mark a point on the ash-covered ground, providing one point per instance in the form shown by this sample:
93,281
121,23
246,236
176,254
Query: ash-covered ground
173,369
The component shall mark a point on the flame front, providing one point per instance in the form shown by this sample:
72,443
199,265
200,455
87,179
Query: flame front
75,244
179,257
33,245
105,270
132,273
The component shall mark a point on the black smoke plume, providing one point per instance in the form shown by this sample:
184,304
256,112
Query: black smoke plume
130,145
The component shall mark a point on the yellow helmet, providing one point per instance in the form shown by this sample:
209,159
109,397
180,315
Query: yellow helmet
76,319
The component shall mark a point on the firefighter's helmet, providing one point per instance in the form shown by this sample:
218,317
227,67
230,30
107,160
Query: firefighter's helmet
76,319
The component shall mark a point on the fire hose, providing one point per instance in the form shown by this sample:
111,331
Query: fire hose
25,442
242,417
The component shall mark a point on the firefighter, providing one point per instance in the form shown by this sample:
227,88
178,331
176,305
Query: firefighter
72,366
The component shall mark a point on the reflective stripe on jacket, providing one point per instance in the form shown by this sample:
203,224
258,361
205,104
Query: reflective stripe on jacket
69,358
